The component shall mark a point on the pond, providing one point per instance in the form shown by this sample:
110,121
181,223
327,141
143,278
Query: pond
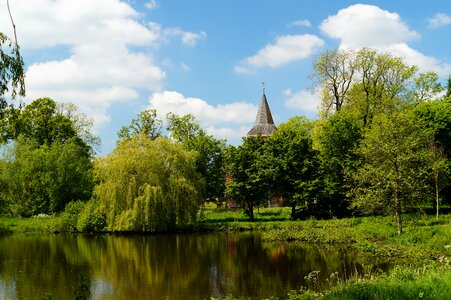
175,266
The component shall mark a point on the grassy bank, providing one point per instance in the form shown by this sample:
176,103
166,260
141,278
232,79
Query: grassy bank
430,282
42,224
425,237
405,282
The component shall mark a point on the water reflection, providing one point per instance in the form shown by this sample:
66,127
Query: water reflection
183,266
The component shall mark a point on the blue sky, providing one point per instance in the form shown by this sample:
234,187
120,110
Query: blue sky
115,58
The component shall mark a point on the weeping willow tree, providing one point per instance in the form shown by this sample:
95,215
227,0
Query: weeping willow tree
148,185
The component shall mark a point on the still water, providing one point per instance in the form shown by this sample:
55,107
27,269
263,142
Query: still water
177,266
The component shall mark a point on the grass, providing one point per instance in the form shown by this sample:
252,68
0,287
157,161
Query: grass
424,237
401,283
42,224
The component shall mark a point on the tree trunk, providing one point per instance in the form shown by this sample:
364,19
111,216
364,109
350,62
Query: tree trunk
250,207
437,198
398,213
293,211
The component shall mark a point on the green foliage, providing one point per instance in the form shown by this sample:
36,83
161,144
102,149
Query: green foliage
147,123
337,140
401,283
69,217
210,158
91,218
426,89
395,165
44,122
436,115
43,179
163,189
293,164
366,83
12,71
247,169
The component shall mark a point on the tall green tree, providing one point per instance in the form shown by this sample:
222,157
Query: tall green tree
210,152
148,185
382,87
333,73
293,164
45,122
43,179
147,123
365,82
249,173
395,168
337,140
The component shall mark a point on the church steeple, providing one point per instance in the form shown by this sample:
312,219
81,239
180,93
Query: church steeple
264,123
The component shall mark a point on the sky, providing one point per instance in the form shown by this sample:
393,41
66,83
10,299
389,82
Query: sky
116,58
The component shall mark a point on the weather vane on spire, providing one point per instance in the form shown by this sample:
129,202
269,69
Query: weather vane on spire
263,85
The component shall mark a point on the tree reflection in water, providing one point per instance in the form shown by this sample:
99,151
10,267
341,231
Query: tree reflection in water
176,266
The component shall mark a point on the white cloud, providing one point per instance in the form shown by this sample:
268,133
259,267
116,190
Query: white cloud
303,22
439,20
303,100
101,68
152,4
361,25
222,120
188,38
286,49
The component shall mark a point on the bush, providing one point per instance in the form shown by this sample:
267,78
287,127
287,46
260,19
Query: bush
91,219
69,217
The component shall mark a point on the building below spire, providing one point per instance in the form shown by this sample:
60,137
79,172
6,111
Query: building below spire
264,124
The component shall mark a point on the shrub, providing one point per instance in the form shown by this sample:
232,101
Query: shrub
91,219
70,215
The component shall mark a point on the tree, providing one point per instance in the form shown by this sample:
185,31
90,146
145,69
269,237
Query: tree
80,122
247,169
383,84
436,115
448,87
12,71
43,179
439,171
293,164
147,123
337,140
210,152
426,88
395,165
162,188
334,74
12,74
45,122
365,83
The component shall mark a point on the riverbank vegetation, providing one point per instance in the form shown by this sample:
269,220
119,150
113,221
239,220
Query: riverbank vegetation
380,147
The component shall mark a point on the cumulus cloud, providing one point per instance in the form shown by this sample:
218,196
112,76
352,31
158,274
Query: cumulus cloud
303,22
361,25
303,100
286,49
107,60
223,120
439,20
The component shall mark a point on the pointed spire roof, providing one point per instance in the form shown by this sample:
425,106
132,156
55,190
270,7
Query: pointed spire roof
264,123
